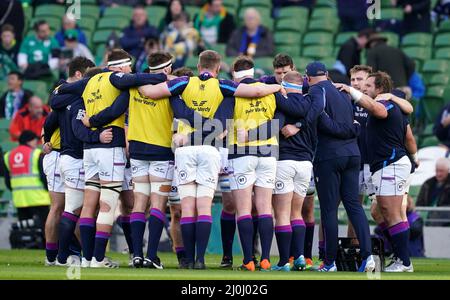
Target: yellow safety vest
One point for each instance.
(27, 187)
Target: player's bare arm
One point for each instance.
(256, 91)
(375, 108)
(404, 104)
(155, 91)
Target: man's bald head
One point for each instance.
(442, 169)
(36, 107)
(293, 77)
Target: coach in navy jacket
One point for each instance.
(336, 166)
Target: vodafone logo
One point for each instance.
(18, 158)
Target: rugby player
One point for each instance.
(197, 166)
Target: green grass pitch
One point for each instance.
(28, 264)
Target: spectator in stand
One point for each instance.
(214, 23)
(252, 39)
(151, 46)
(353, 14)
(415, 221)
(74, 47)
(31, 117)
(441, 127)
(9, 44)
(180, 39)
(15, 98)
(435, 192)
(12, 13)
(350, 52)
(6, 65)
(38, 50)
(416, 15)
(382, 57)
(134, 36)
(70, 24)
(175, 7)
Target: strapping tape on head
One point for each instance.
(244, 73)
(288, 85)
(120, 63)
(161, 66)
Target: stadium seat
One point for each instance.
(53, 22)
(417, 39)
(419, 53)
(256, 3)
(392, 38)
(442, 53)
(88, 24)
(291, 25)
(301, 63)
(294, 13)
(429, 142)
(9, 145)
(101, 36)
(317, 38)
(391, 14)
(287, 38)
(432, 107)
(192, 10)
(324, 13)
(50, 10)
(28, 12)
(317, 52)
(112, 23)
(292, 50)
(264, 63)
(435, 92)
(38, 87)
(329, 62)
(444, 26)
(3, 86)
(191, 62)
(325, 3)
(442, 40)
(91, 11)
(386, 4)
(435, 66)
(219, 48)
(231, 5)
(439, 79)
(156, 14)
(125, 12)
(343, 37)
(4, 129)
(329, 25)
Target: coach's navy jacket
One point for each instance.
(333, 141)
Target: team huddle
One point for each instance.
(147, 140)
